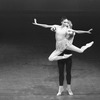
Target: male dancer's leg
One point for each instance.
(68, 75)
(61, 76)
(68, 70)
(61, 71)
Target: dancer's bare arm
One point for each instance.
(80, 31)
(43, 25)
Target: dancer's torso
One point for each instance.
(64, 34)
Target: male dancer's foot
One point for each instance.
(69, 90)
(87, 45)
(61, 89)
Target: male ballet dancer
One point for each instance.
(62, 64)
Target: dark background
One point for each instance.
(50, 5)
(16, 17)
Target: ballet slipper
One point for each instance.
(69, 91)
(61, 89)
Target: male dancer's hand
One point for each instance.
(89, 31)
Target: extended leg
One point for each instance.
(55, 56)
(80, 50)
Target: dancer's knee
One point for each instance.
(50, 58)
(81, 51)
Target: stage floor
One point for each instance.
(26, 74)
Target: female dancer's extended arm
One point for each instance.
(80, 31)
(43, 25)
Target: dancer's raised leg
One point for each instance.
(55, 56)
(80, 50)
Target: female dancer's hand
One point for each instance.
(35, 21)
(89, 31)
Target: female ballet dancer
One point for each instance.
(64, 35)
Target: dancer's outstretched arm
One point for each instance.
(43, 25)
(80, 31)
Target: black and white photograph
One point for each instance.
(49, 50)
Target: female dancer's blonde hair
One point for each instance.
(69, 22)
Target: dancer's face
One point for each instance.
(65, 23)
